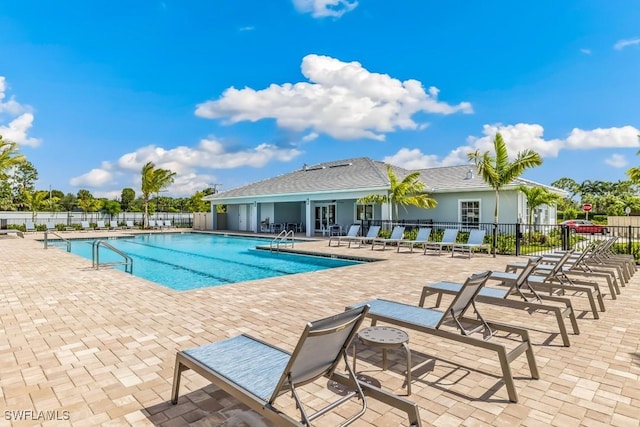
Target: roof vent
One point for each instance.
(469, 174)
(340, 165)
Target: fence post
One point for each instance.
(566, 238)
(495, 238)
(629, 241)
(518, 238)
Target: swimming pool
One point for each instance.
(184, 261)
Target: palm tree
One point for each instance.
(537, 196)
(9, 156)
(153, 181)
(409, 191)
(35, 201)
(498, 171)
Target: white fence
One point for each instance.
(9, 218)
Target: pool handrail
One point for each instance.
(284, 237)
(95, 256)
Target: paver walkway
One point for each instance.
(98, 347)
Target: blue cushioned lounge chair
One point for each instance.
(257, 373)
(372, 233)
(525, 298)
(421, 238)
(448, 239)
(351, 234)
(396, 236)
(475, 241)
(430, 321)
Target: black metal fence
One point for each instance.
(520, 239)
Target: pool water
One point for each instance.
(184, 261)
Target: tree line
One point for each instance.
(18, 193)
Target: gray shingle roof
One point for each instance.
(358, 173)
(361, 173)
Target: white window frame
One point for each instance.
(479, 202)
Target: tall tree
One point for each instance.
(409, 191)
(112, 207)
(126, 198)
(35, 201)
(87, 202)
(9, 157)
(153, 181)
(568, 185)
(68, 201)
(497, 170)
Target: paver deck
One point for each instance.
(98, 347)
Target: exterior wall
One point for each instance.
(233, 213)
(287, 212)
(448, 208)
(345, 212)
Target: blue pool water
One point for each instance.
(190, 260)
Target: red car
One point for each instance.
(584, 226)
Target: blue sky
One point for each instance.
(229, 92)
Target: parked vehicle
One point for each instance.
(585, 227)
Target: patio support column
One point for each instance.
(214, 216)
(309, 227)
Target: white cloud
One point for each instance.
(617, 161)
(343, 100)
(189, 163)
(247, 28)
(523, 136)
(586, 51)
(626, 136)
(20, 119)
(621, 44)
(325, 8)
(412, 159)
(93, 178)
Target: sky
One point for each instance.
(229, 92)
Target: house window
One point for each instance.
(470, 212)
(364, 212)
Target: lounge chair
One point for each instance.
(30, 227)
(396, 236)
(352, 233)
(167, 223)
(526, 298)
(430, 321)
(372, 233)
(552, 281)
(153, 225)
(257, 373)
(100, 225)
(421, 238)
(51, 226)
(448, 239)
(475, 241)
(575, 268)
(113, 225)
(129, 225)
(85, 226)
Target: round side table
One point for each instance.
(385, 337)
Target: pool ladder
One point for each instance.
(46, 239)
(95, 257)
(285, 237)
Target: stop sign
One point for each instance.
(586, 207)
